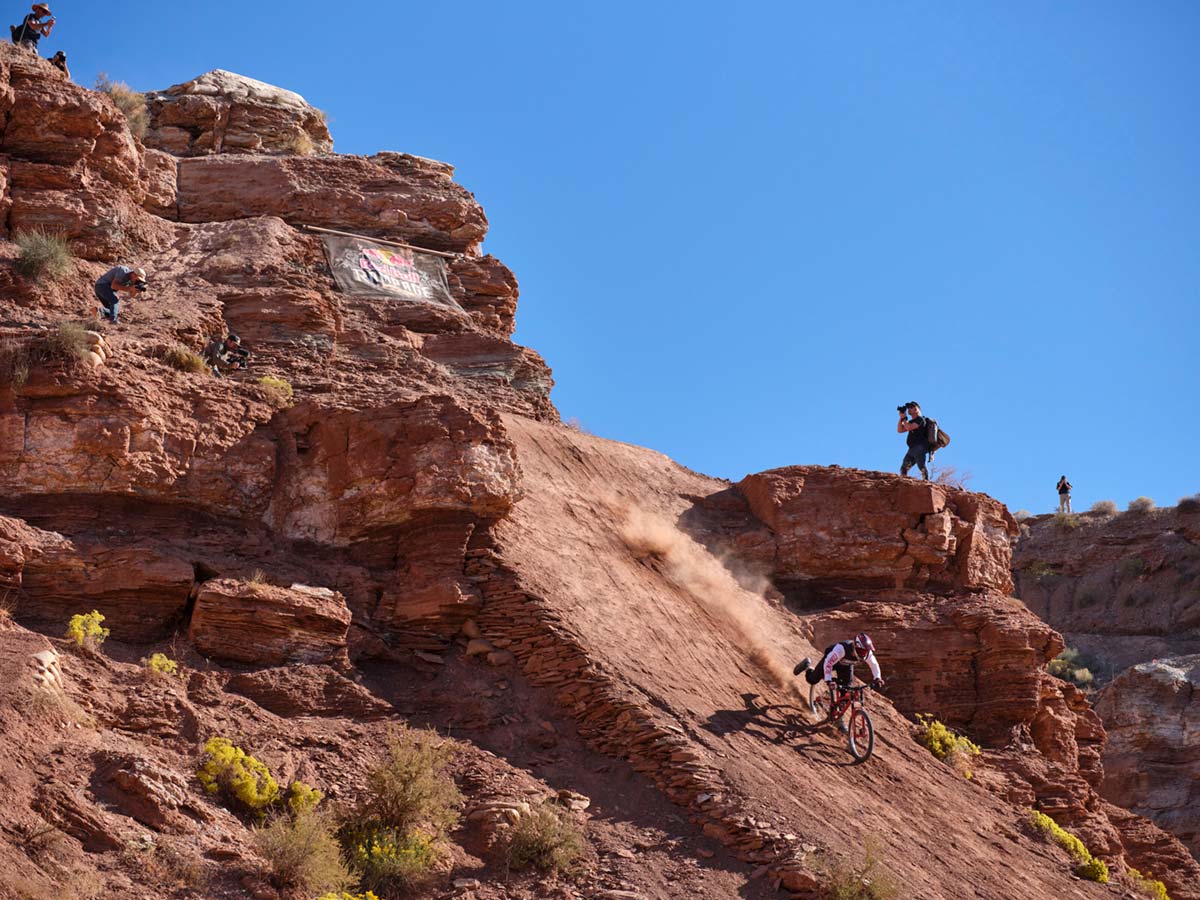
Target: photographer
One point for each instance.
(915, 424)
(118, 280)
(32, 29)
(226, 355)
(1064, 495)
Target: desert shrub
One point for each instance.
(8, 602)
(1131, 567)
(411, 787)
(278, 390)
(346, 895)
(1067, 521)
(1040, 570)
(547, 840)
(128, 101)
(161, 665)
(42, 254)
(1086, 865)
(388, 860)
(15, 361)
(1070, 666)
(301, 144)
(1022, 514)
(302, 853)
(166, 866)
(184, 360)
(240, 779)
(946, 744)
(1141, 505)
(867, 879)
(951, 477)
(67, 342)
(301, 799)
(85, 631)
(1148, 885)
(1189, 504)
(1088, 595)
(1105, 507)
(258, 576)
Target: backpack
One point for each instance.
(936, 438)
(17, 31)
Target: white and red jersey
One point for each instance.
(840, 652)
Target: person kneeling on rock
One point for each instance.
(226, 355)
(118, 280)
(839, 659)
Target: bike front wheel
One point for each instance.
(862, 735)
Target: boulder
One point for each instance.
(305, 690)
(833, 529)
(222, 112)
(265, 625)
(1152, 759)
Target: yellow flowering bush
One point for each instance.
(85, 630)
(161, 664)
(946, 744)
(1148, 885)
(366, 895)
(302, 799)
(1086, 865)
(388, 859)
(238, 777)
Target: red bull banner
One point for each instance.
(361, 266)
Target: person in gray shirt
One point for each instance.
(116, 281)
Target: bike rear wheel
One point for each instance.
(818, 700)
(862, 734)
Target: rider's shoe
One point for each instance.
(842, 727)
(802, 666)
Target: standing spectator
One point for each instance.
(118, 280)
(1064, 495)
(915, 424)
(33, 29)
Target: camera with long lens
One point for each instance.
(141, 286)
(902, 408)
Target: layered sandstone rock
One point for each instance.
(833, 528)
(222, 112)
(1123, 589)
(267, 625)
(1152, 760)
(390, 194)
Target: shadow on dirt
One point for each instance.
(782, 724)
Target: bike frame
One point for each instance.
(841, 700)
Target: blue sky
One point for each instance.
(744, 233)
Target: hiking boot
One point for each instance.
(802, 666)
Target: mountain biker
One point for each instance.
(839, 659)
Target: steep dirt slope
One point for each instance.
(654, 648)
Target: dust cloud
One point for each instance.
(736, 603)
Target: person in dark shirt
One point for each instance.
(914, 423)
(1064, 495)
(59, 61)
(33, 29)
(225, 355)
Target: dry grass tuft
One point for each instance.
(128, 101)
(184, 360)
(43, 255)
(303, 853)
(547, 840)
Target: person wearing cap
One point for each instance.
(116, 281)
(59, 61)
(225, 355)
(33, 29)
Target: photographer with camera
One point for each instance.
(226, 355)
(33, 29)
(915, 424)
(118, 280)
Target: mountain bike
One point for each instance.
(829, 706)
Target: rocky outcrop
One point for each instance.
(1152, 760)
(305, 690)
(845, 528)
(392, 195)
(267, 625)
(222, 112)
(1122, 588)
